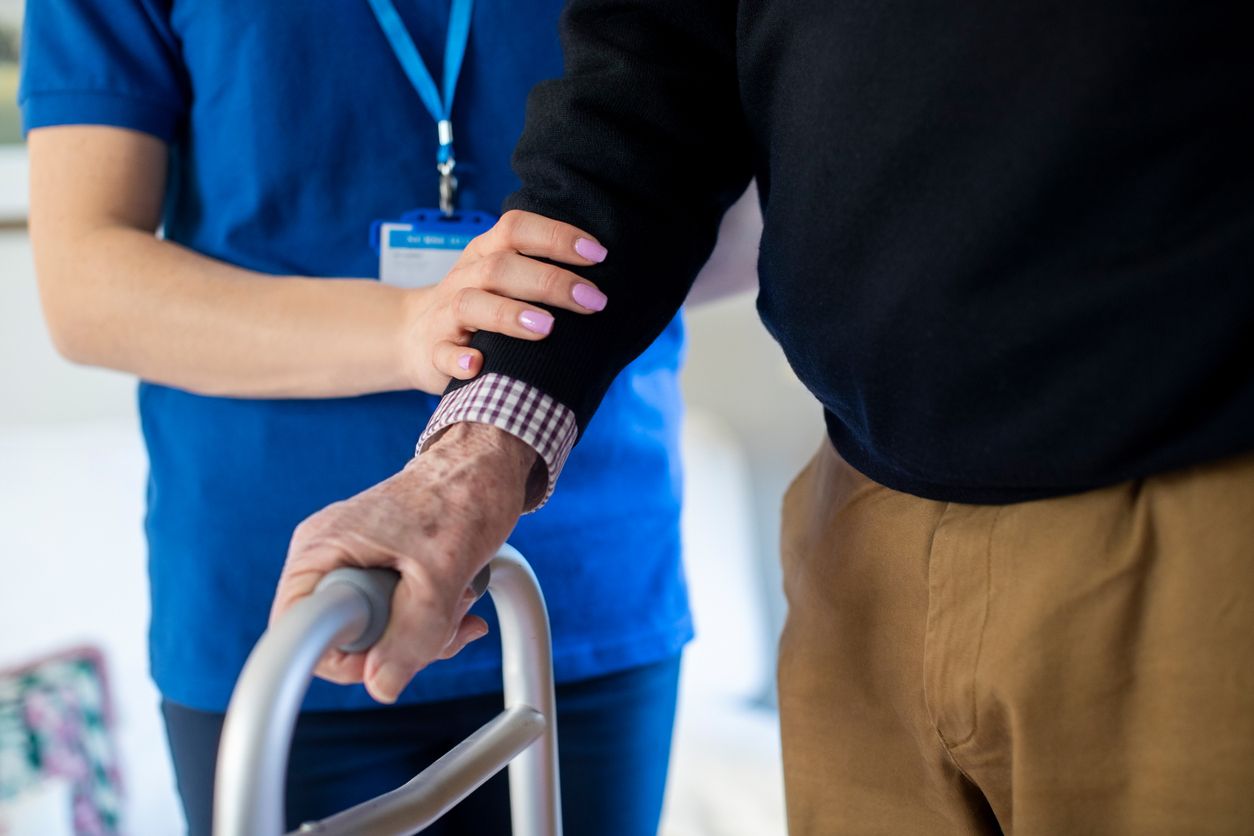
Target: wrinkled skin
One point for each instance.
(437, 522)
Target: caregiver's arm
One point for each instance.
(116, 295)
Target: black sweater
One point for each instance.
(1009, 246)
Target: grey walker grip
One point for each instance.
(376, 587)
(481, 581)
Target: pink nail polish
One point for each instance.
(589, 297)
(536, 322)
(463, 362)
(590, 250)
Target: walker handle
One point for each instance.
(350, 609)
(377, 586)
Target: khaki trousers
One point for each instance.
(1065, 666)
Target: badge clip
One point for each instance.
(448, 187)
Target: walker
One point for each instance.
(350, 609)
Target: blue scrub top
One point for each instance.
(292, 127)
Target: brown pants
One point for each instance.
(1066, 666)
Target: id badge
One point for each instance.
(420, 247)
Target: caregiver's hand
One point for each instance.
(489, 290)
(437, 523)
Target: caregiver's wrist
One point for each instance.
(408, 363)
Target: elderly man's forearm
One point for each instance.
(657, 152)
(545, 425)
(487, 460)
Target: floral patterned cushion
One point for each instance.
(55, 723)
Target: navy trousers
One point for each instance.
(614, 736)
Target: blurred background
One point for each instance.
(73, 599)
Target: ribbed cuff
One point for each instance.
(523, 411)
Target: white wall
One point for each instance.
(36, 386)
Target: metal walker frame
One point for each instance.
(350, 609)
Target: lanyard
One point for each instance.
(439, 106)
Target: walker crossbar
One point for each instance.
(349, 610)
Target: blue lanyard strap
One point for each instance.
(440, 107)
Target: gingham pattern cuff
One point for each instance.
(521, 410)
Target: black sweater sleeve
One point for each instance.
(643, 145)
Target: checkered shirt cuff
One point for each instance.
(547, 426)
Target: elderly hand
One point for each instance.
(437, 523)
(489, 290)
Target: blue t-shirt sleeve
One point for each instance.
(87, 62)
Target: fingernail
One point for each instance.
(589, 297)
(540, 323)
(463, 362)
(590, 250)
(388, 682)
